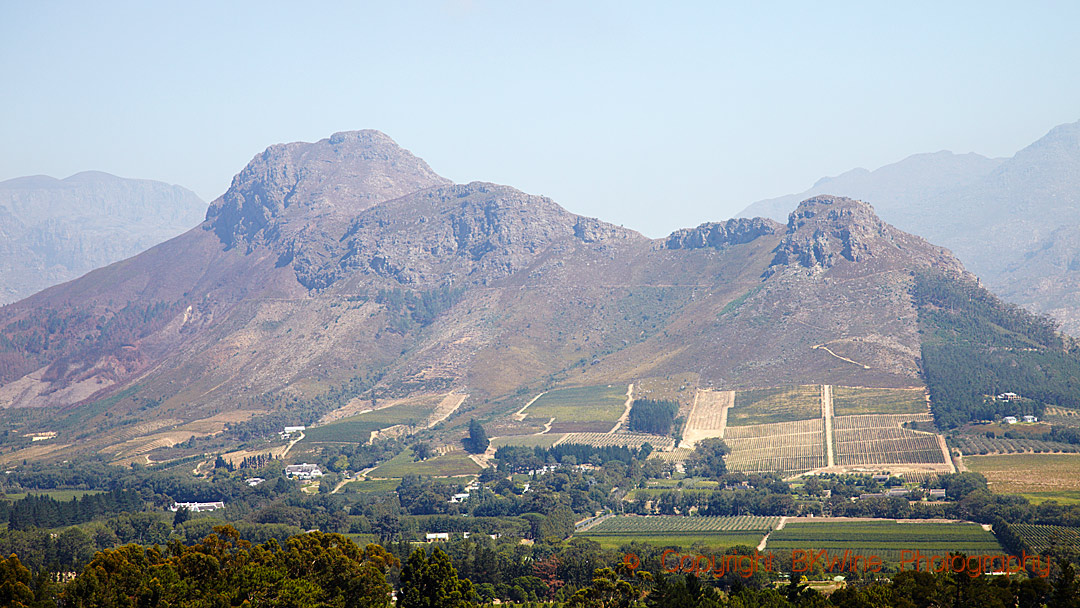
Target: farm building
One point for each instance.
(290, 430)
(254, 481)
(1008, 397)
(303, 471)
(436, 536)
(1030, 419)
(460, 497)
(1010, 420)
(197, 507)
(937, 494)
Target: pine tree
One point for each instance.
(433, 583)
(477, 441)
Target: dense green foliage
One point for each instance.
(653, 416)
(477, 442)
(37, 511)
(975, 347)
(433, 583)
(707, 460)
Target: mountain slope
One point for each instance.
(1011, 221)
(53, 230)
(346, 264)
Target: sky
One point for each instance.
(652, 115)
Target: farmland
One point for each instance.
(530, 441)
(850, 401)
(879, 439)
(453, 464)
(884, 538)
(372, 485)
(581, 409)
(782, 446)
(631, 440)
(771, 405)
(358, 428)
(981, 444)
(682, 531)
(1012, 473)
(707, 418)
(1040, 538)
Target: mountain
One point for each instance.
(54, 230)
(1013, 222)
(347, 267)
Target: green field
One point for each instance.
(1064, 497)
(1041, 538)
(529, 441)
(850, 401)
(585, 409)
(61, 495)
(884, 538)
(454, 464)
(680, 531)
(780, 404)
(372, 485)
(358, 428)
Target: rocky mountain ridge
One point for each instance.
(316, 271)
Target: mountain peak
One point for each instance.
(333, 178)
(826, 231)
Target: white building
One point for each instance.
(254, 481)
(461, 497)
(437, 536)
(1030, 419)
(1010, 420)
(303, 471)
(197, 507)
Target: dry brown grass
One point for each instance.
(1018, 473)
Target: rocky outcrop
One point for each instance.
(718, 235)
(283, 189)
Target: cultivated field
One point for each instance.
(770, 405)
(1023, 473)
(372, 485)
(628, 439)
(682, 531)
(884, 538)
(782, 446)
(981, 444)
(529, 441)
(1041, 538)
(358, 428)
(879, 439)
(453, 464)
(582, 409)
(850, 401)
(1062, 416)
(707, 418)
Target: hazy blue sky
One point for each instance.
(653, 115)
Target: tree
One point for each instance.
(433, 583)
(421, 451)
(182, 515)
(477, 442)
(707, 459)
(15, 581)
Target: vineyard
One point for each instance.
(879, 439)
(1040, 538)
(358, 428)
(884, 538)
(771, 405)
(851, 401)
(675, 525)
(782, 446)
(581, 409)
(707, 418)
(981, 444)
(529, 441)
(630, 440)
